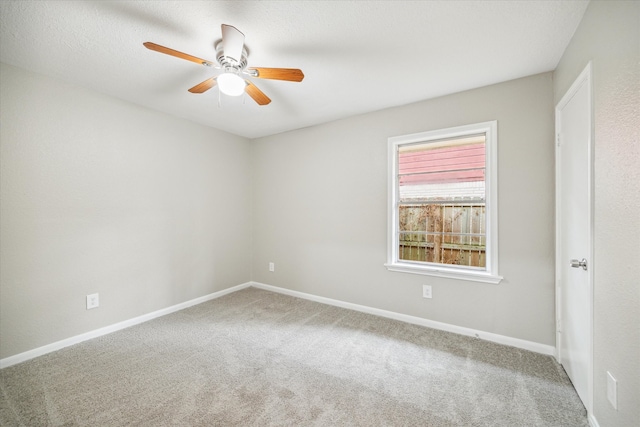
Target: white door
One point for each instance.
(574, 234)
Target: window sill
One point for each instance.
(449, 273)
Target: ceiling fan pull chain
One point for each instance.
(219, 102)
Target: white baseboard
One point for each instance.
(488, 336)
(501, 339)
(22, 357)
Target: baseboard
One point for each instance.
(500, 339)
(22, 357)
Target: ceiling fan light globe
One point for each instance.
(231, 84)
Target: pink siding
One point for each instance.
(443, 165)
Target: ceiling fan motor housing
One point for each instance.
(230, 64)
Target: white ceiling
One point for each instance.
(357, 56)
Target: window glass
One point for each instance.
(441, 210)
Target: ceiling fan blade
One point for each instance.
(177, 54)
(256, 94)
(289, 74)
(204, 86)
(232, 42)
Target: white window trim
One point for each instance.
(490, 273)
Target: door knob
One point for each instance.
(575, 263)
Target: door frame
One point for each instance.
(585, 78)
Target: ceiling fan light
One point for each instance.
(231, 84)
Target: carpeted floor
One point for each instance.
(257, 358)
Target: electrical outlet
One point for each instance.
(93, 301)
(612, 390)
(272, 266)
(426, 291)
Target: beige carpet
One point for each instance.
(257, 358)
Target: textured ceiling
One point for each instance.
(357, 56)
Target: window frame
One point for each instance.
(490, 273)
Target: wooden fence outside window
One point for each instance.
(443, 233)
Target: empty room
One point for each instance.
(320, 213)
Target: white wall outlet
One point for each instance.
(93, 301)
(272, 266)
(612, 390)
(426, 291)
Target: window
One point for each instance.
(443, 203)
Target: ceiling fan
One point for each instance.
(231, 58)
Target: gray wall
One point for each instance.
(99, 195)
(320, 211)
(609, 36)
